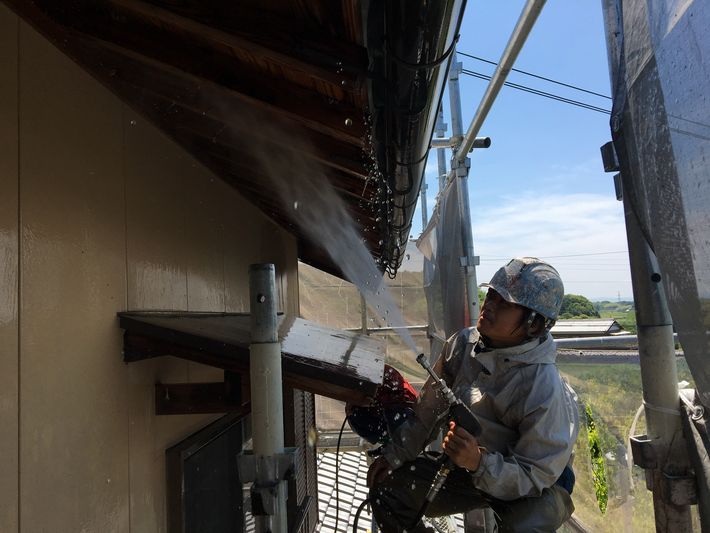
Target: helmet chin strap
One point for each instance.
(528, 325)
(531, 318)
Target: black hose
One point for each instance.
(337, 462)
(357, 514)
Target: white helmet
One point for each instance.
(532, 283)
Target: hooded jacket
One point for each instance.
(529, 415)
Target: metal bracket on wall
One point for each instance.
(676, 489)
(281, 466)
(643, 452)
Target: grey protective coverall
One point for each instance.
(530, 422)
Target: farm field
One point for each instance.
(613, 392)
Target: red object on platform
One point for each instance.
(395, 390)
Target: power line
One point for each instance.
(538, 92)
(557, 82)
(559, 256)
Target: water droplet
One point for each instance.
(348, 122)
(133, 123)
(295, 204)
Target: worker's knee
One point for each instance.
(543, 514)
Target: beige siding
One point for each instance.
(8, 273)
(114, 216)
(73, 416)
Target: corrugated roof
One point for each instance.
(585, 327)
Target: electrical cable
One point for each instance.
(538, 92)
(537, 76)
(337, 477)
(421, 66)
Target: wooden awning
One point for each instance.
(334, 363)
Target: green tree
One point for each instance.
(577, 306)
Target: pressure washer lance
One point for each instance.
(462, 416)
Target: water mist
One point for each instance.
(314, 205)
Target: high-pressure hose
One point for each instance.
(357, 514)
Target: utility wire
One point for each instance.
(538, 92)
(559, 256)
(537, 76)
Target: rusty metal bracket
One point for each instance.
(643, 452)
(281, 467)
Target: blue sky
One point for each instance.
(541, 189)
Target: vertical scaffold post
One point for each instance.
(459, 168)
(266, 392)
(659, 379)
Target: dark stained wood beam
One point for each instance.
(330, 37)
(139, 347)
(315, 358)
(185, 72)
(203, 398)
(251, 104)
(210, 123)
(337, 79)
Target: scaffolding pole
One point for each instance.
(266, 399)
(520, 34)
(659, 379)
(459, 169)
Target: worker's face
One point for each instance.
(501, 322)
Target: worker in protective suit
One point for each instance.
(504, 370)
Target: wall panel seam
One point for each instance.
(19, 281)
(125, 303)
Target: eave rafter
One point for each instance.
(117, 28)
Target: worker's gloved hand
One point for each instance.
(462, 448)
(378, 470)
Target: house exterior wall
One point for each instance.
(99, 213)
(9, 261)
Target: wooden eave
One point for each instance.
(333, 363)
(357, 82)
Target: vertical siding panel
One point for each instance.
(114, 216)
(157, 249)
(73, 415)
(203, 229)
(9, 260)
(155, 218)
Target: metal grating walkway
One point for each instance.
(352, 472)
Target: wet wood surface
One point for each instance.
(330, 362)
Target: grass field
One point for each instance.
(623, 312)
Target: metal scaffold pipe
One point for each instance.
(522, 29)
(266, 391)
(441, 150)
(459, 168)
(659, 379)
